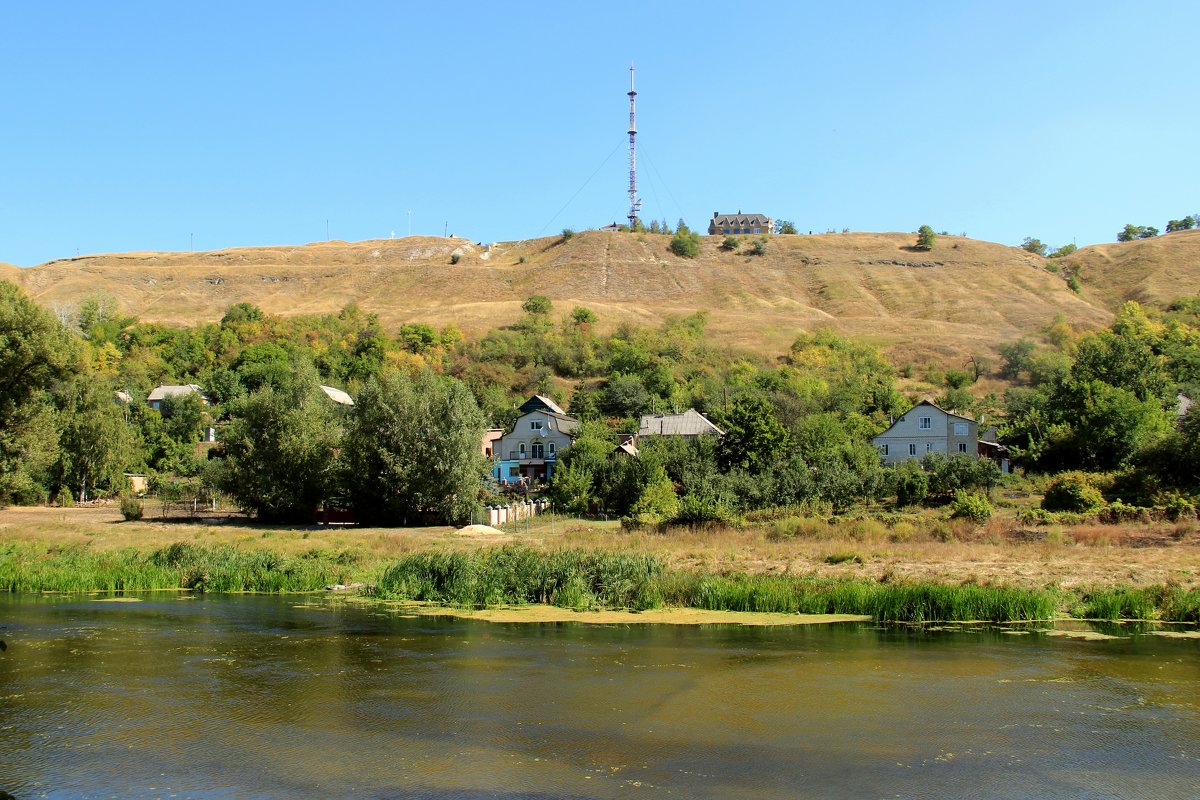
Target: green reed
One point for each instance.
(28, 568)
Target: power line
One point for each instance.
(580, 189)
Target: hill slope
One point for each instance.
(1148, 270)
(963, 296)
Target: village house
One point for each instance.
(691, 424)
(162, 392)
(926, 429)
(530, 451)
(727, 224)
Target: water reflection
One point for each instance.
(268, 697)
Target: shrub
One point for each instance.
(729, 245)
(1119, 512)
(685, 244)
(968, 505)
(1176, 506)
(698, 509)
(912, 484)
(454, 257)
(842, 558)
(131, 508)
(758, 248)
(567, 234)
(1073, 492)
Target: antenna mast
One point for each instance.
(634, 203)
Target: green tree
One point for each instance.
(1065, 250)
(1185, 224)
(685, 243)
(729, 244)
(785, 226)
(36, 354)
(1034, 246)
(96, 444)
(279, 449)
(1015, 358)
(926, 238)
(753, 437)
(583, 316)
(537, 305)
(412, 450)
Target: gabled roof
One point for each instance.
(163, 392)
(337, 396)
(689, 423)
(931, 404)
(740, 219)
(539, 402)
(628, 448)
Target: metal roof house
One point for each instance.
(726, 224)
(690, 424)
(160, 393)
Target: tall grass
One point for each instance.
(28, 568)
(578, 579)
(888, 602)
(516, 575)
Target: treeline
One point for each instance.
(797, 428)
(1114, 401)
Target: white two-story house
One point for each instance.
(538, 437)
(926, 429)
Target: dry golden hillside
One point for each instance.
(963, 296)
(1148, 270)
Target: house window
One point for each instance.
(912, 448)
(883, 449)
(550, 449)
(539, 450)
(521, 449)
(514, 472)
(960, 429)
(925, 423)
(962, 447)
(929, 447)
(536, 425)
(758, 230)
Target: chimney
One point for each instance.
(716, 214)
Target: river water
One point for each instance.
(268, 697)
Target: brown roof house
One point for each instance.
(727, 224)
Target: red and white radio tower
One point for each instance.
(634, 203)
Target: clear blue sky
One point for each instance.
(135, 126)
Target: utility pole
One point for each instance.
(327, 229)
(410, 222)
(634, 204)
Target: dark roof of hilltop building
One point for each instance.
(739, 219)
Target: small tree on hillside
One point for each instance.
(1065, 250)
(537, 304)
(1185, 224)
(685, 243)
(925, 238)
(785, 226)
(1034, 246)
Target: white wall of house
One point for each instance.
(927, 429)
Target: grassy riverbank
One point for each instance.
(569, 578)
